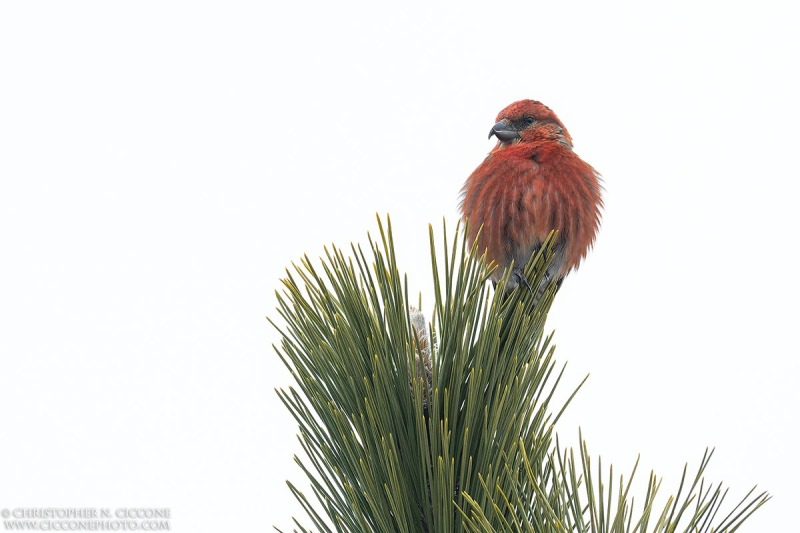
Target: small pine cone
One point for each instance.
(423, 355)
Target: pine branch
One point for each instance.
(412, 426)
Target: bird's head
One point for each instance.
(526, 121)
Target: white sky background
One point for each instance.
(162, 164)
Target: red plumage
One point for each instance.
(531, 183)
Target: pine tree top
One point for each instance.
(412, 425)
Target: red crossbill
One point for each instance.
(531, 183)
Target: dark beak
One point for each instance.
(504, 131)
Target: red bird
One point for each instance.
(529, 184)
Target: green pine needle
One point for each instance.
(415, 426)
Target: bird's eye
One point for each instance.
(528, 120)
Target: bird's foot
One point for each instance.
(518, 275)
